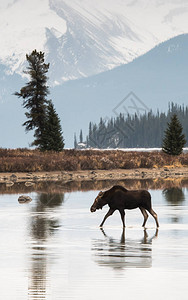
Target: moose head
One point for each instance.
(99, 202)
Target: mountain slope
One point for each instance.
(90, 44)
(82, 38)
(12, 134)
(149, 82)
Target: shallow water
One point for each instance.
(52, 248)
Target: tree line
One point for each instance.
(133, 131)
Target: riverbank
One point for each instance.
(31, 166)
(91, 175)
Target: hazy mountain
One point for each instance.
(149, 82)
(85, 37)
(12, 134)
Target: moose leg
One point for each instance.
(109, 213)
(122, 213)
(144, 212)
(151, 211)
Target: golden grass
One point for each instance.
(25, 160)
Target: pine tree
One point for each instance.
(147, 130)
(174, 139)
(34, 94)
(81, 136)
(52, 138)
(75, 141)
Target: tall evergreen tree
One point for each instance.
(34, 95)
(52, 138)
(81, 136)
(174, 139)
(75, 141)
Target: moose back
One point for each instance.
(119, 198)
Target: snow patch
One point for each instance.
(23, 29)
(86, 37)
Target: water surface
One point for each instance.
(52, 248)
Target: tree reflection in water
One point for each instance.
(124, 253)
(174, 196)
(42, 226)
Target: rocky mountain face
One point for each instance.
(83, 38)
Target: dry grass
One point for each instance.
(24, 160)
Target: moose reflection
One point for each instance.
(124, 252)
(119, 198)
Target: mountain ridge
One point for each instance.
(83, 38)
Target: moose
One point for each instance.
(119, 198)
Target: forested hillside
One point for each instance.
(129, 131)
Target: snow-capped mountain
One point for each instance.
(85, 37)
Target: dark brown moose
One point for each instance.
(119, 198)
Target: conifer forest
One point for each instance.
(130, 131)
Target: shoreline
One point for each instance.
(92, 175)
